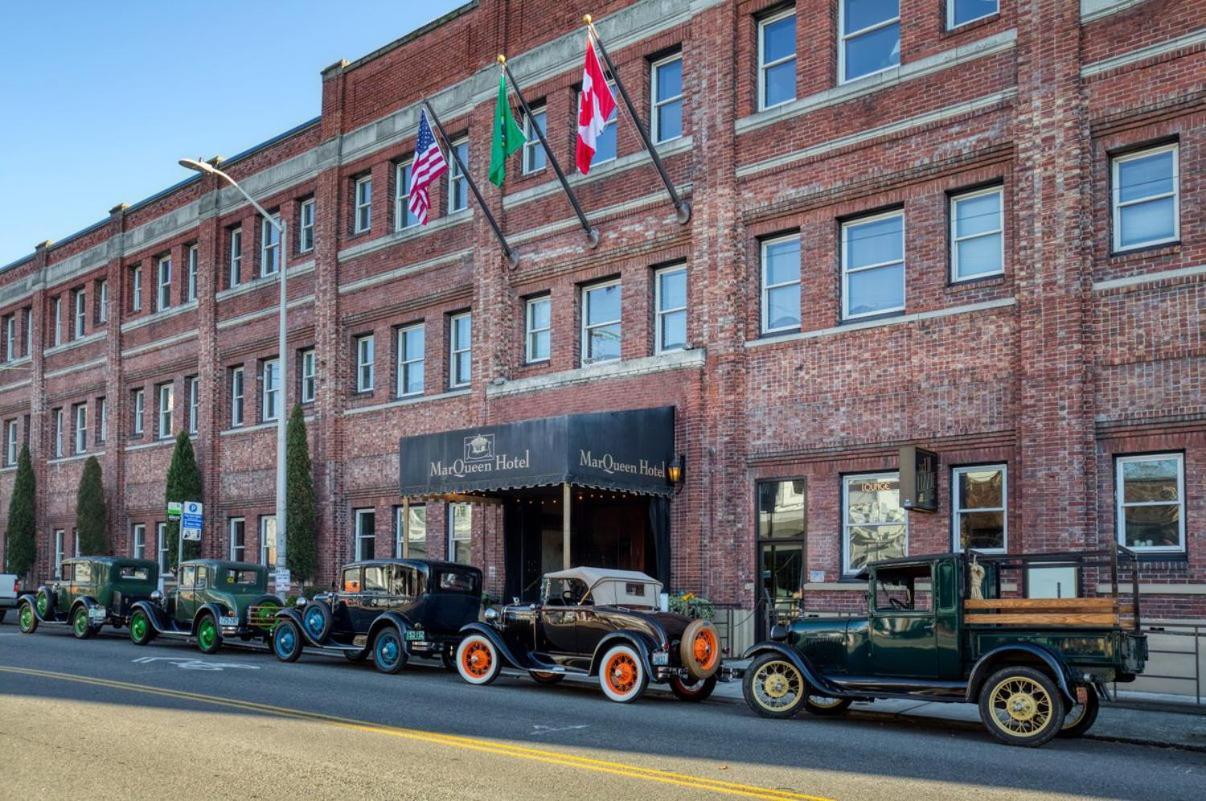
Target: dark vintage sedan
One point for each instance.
(391, 609)
(595, 622)
(92, 591)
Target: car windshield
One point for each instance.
(451, 581)
(564, 591)
(241, 578)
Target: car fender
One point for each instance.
(384, 619)
(636, 639)
(154, 614)
(801, 663)
(86, 601)
(491, 634)
(207, 608)
(294, 615)
(999, 656)
(30, 598)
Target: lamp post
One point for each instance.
(280, 576)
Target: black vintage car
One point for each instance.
(391, 609)
(595, 622)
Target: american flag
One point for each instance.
(428, 165)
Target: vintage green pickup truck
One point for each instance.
(91, 592)
(961, 628)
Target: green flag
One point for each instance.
(508, 136)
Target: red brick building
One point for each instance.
(972, 226)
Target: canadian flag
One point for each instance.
(595, 104)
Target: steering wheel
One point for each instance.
(897, 603)
(567, 598)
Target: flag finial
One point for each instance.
(502, 59)
(586, 19)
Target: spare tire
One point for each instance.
(44, 603)
(700, 649)
(317, 621)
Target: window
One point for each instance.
(59, 536)
(781, 284)
(873, 264)
(961, 12)
(237, 527)
(81, 427)
(1146, 198)
(781, 527)
(136, 289)
(79, 300)
(366, 533)
(10, 443)
(1150, 495)
(138, 541)
(403, 216)
(874, 525)
(309, 375)
(411, 344)
(670, 304)
(666, 79)
(534, 155)
(458, 197)
(192, 387)
(605, 144)
(305, 226)
(978, 515)
(415, 531)
(777, 59)
(270, 376)
(166, 395)
(57, 416)
(460, 350)
(102, 420)
(537, 326)
(234, 260)
(868, 37)
(364, 363)
(363, 219)
(161, 549)
(460, 524)
(236, 397)
(163, 293)
(270, 246)
(192, 255)
(102, 301)
(57, 321)
(601, 322)
(268, 540)
(977, 238)
(10, 338)
(26, 330)
(138, 409)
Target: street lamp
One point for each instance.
(282, 361)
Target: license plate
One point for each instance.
(228, 621)
(96, 614)
(415, 636)
(661, 658)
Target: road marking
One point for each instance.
(189, 663)
(451, 740)
(538, 729)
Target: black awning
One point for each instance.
(627, 451)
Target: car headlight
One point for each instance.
(491, 614)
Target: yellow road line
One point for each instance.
(451, 740)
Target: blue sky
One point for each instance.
(99, 99)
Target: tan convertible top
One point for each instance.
(610, 587)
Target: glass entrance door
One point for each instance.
(782, 517)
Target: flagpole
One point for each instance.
(510, 254)
(681, 206)
(591, 234)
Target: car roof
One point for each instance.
(221, 563)
(593, 575)
(111, 560)
(427, 563)
(905, 561)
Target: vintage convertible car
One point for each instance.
(212, 600)
(391, 608)
(595, 622)
(93, 591)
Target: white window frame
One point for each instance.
(458, 349)
(950, 15)
(309, 375)
(58, 321)
(81, 428)
(358, 516)
(531, 331)
(656, 102)
(270, 377)
(531, 142)
(138, 540)
(659, 312)
(162, 555)
(402, 216)
(163, 283)
(1120, 504)
(846, 272)
(140, 410)
(80, 300)
(102, 414)
(766, 287)
(10, 334)
(102, 300)
(60, 537)
(238, 553)
(10, 443)
(586, 328)
(234, 261)
(305, 226)
(451, 539)
(362, 199)
(455, 176)
(270, 250)
(165, 404)
(957, 510)
(267, 544)
(955, 239)
(844, 544)
(844, 37)
(192, 387)
(58, 432)
(406, 365)
(136, 289)
(399, 528)
(1116, 206)
(192, 261)
(763, 66)
(366, 373)
(238, 389)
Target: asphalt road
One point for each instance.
(104, 718)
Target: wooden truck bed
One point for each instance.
(1092, 612)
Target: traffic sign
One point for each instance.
(281, 580)
(173, 510)
(192, 520)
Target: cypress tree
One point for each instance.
(21, 536)
(91, 512)
(183, 484)
(300, 529)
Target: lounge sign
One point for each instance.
(918, 479)
(627, 451)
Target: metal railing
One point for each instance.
(1195, 633)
